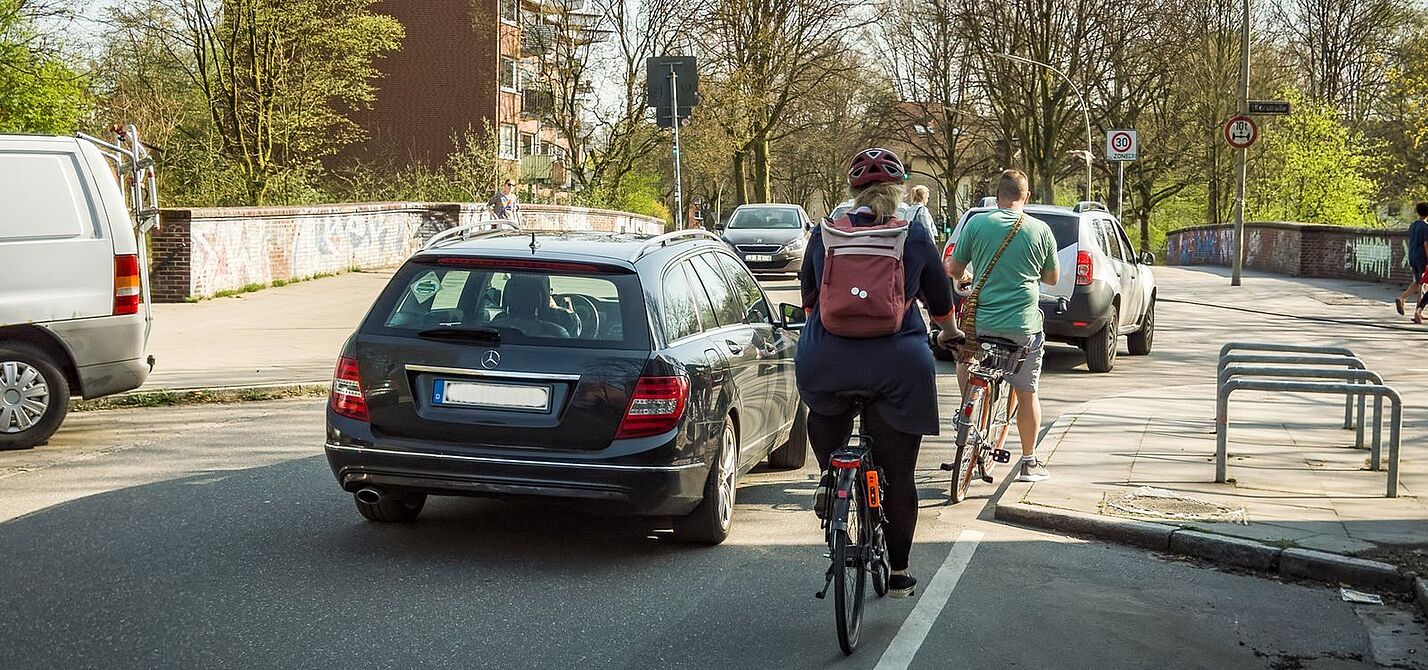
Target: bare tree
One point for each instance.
(1339, 48)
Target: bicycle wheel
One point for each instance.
(1001, 421)
(969, 443)
(879, 568)
(849, 576)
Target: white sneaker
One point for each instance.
(1033, 471)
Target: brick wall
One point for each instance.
(199, 252)
(1299, 250)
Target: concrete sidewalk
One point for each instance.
(277, 336)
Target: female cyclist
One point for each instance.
(896, 371)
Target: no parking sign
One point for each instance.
(1122, 145)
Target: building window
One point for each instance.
(508, 142)
(530, 145)
(509, 74)
(510, 10)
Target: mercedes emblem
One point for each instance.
(491, 360)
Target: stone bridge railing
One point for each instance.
(199, 252)
(1298, 249)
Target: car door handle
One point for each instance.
(734, 347)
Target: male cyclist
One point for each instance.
(1007, 306)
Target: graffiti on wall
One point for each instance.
(225, 256)
(1203, 246)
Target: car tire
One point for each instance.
(791, 455)
(1140, 342)
(392, 508)
(1101, 347)
(710, 522)
(34, 396)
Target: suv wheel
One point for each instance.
(1142, 340)
(793, 453)
(392, 508)
(34, 397)
(710, 522)
(1101, 347)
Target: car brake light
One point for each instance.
(346, 397)
(656, 406)
(1084, 268)
(947, 253)
(128, 287)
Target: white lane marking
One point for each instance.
(910, 637)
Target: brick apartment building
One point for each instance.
(462, 65)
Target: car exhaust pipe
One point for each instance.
(369, 495)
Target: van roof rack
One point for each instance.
(470, 231)
(1089, 206)
(660, 241)
(136, 173)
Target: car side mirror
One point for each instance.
(1147, 258)
(793, 316)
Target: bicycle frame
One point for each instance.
(980, 428)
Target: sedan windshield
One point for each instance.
(766, 217)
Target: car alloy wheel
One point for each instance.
(24, 396)
(728, 471)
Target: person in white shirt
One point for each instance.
(917, 211)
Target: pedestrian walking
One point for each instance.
(1417, 261)
(917, 211)
(505, 205)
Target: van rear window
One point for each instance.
(523, 304)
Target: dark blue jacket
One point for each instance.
(898, 368)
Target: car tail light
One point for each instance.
(346, 398)
(656, 406)
(128, 286)
(1085, 270)
(947, 253)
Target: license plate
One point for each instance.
(500, 396)
(759, 258)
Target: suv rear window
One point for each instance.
(1064, 227)
(555, 304)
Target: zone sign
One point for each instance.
(1122, 145)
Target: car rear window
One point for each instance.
(1064, 227)
(551, 304)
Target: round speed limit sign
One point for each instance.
(1241, 132)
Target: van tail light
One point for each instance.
(1085, 270)
(656, 406)
(128, 286)
(346, 397)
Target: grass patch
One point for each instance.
(166, 398)
(258, 286)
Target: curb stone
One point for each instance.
(1420, 594)
(1290, 563)
(189, 396)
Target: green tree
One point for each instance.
(1312, 169)
(38, 92)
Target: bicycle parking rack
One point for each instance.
(1337, 363)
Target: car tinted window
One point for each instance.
(753, 305)
(727, 309)
(1110, 239)
(681, 311)
(701, 299)
(557, 307)
(766, 217)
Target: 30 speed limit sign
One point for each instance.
(1122, 145)
(1241, 132)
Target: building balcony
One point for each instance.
(545, 169)
(537, 103)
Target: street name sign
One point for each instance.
(1269, 107)
(1241, 132)
(1122, 145)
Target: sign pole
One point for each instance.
(1120, 189)
(679, 214)
(1238, 259)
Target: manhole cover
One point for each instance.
(1340, 299)
(1153, 503)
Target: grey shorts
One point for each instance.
(1028, 377)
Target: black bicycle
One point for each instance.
(857, 547)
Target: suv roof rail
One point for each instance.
(461, 233)
(665, 239)
(1089, 206)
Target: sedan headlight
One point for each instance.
(796, 244)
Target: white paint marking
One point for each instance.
(910, 637)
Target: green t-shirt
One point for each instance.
(1007, 304)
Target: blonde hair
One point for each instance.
(882, 197)
(919, 195)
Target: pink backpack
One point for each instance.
(862, 293)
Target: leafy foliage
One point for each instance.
(1312, 169)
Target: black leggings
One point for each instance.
(896, 453)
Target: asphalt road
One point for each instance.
(215, 537)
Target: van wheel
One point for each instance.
(392, 508)
(1101, 347)
(793, 453)
(1142, 340)
(34, 396)
(710, 522)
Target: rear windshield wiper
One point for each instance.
(474, 334)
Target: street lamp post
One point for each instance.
(1085, 109)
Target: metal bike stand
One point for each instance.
(1297, 349)
(1347, 374)
(1312, 360)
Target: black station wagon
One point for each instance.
(639, 375)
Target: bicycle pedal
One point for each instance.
(948, 467)
(988, 478)
(1001, 456)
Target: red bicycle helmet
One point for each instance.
(871, 166)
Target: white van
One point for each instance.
(74, 297)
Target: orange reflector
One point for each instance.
(874, 496)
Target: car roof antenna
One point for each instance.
(534, 244)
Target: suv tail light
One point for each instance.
(346, 397)
(656, 406)
(128, 286)
(947, 253)
(1085, 270)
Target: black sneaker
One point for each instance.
(821, 495)
(901, 586)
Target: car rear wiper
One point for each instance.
(475, 334)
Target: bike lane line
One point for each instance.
(902, 649)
